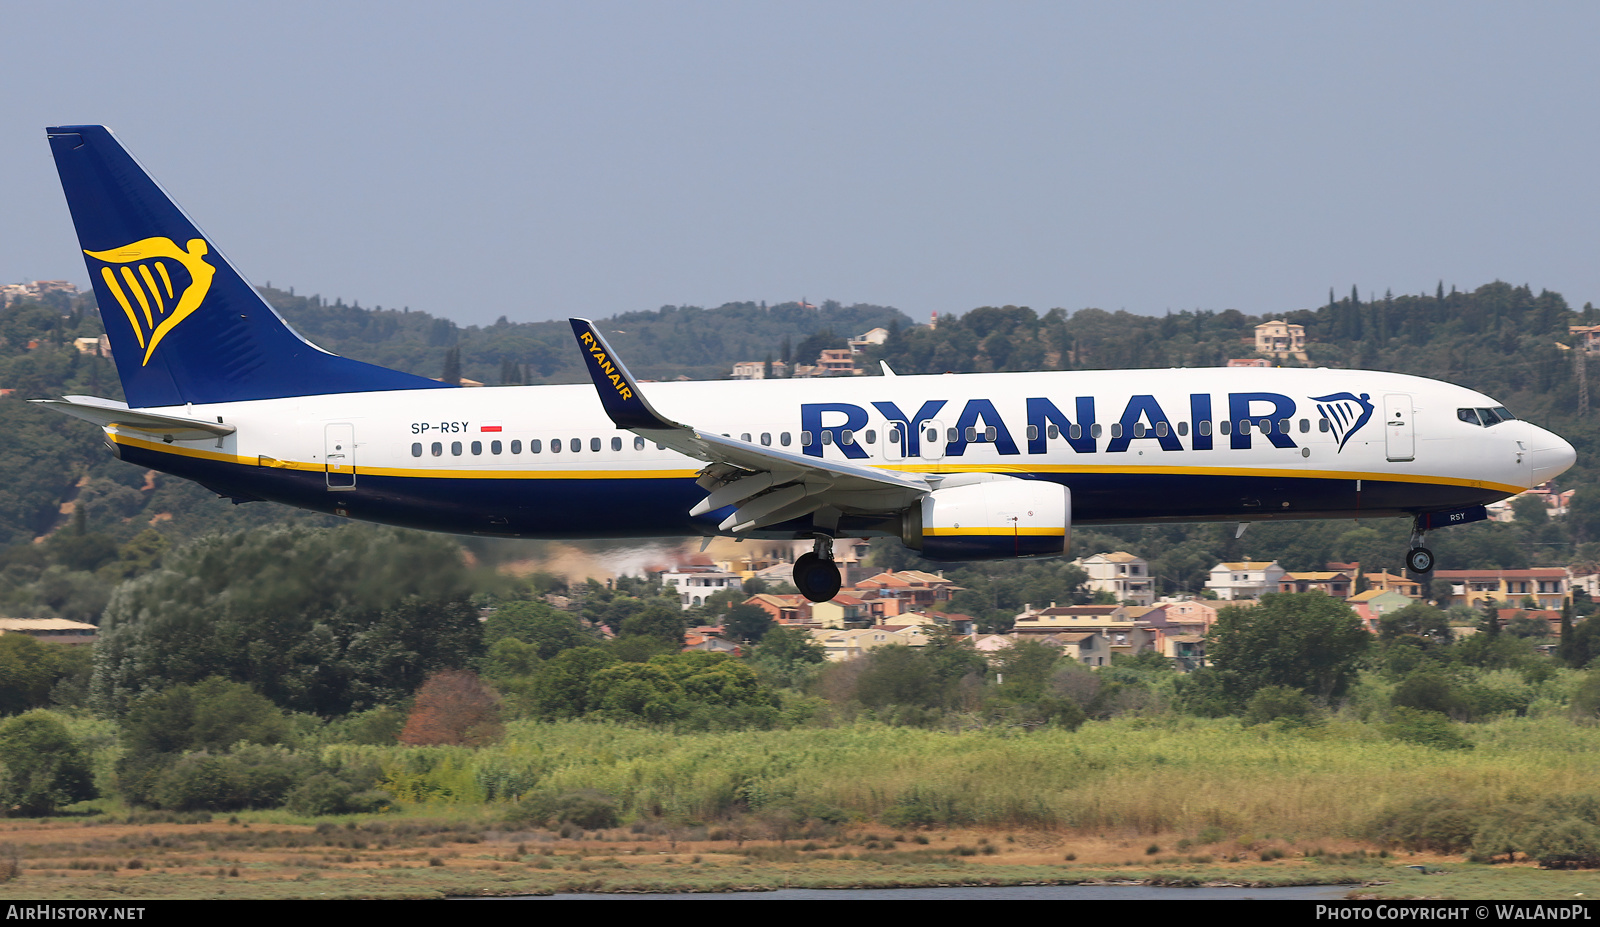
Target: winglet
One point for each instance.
(619, 391)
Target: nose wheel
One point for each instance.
(1419, 559)
(815, 574)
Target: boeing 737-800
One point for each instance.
(222, 391)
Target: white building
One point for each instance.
(1122, 574)
(1281, 340)
(695, 584)
(1246, 579)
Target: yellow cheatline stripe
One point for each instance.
(1008, 531)
(138, 293)
(468, 474)
(122, 299)
(205, 454)
(1375, 477)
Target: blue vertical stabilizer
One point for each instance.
(184, 325)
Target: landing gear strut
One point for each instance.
(1419, 559)
(815, 574)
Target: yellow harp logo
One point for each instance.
(144, 272)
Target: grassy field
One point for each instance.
(255, 857)
(1127, 777)
(583, 807)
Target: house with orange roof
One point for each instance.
(1388, 582)
(784, 609)
(913, 589)
(841, 611)
(1546, 587)
(1335, 584)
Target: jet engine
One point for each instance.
(999, 518)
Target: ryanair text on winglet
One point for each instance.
(606, 366)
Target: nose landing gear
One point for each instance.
(1419, 559)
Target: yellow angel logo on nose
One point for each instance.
(154, 296)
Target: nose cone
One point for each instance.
(1550, 455)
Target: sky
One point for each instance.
(539, 160)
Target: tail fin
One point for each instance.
(184, 325)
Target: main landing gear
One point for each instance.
(815, 574)
(1419, 559)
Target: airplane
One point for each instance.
(221, 390)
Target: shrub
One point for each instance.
(328, 793)
(1425, 728)
(1436, 823)
(1280, 703)
(250, 777)
(41, 766)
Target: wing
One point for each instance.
(767, 486)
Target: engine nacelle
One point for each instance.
(998, 519)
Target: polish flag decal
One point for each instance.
(492, 426)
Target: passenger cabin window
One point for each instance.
(616, 444)
(594, 444)
(416, 450)
(516, 447)
(638, 443)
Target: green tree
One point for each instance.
(27, 672)
(747, 623)
(213, 714)
(1025, 668)
(548, 630)
(788, 656)
(1305, 641)
(561, 687)
(41, 766)
(318, 620)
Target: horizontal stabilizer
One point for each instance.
(107, 412)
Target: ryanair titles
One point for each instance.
(606, 369)
(1240, 420)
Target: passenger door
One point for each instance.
(1399, 435)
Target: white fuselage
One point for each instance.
(1133, 445)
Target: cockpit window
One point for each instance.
(1485, 417)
